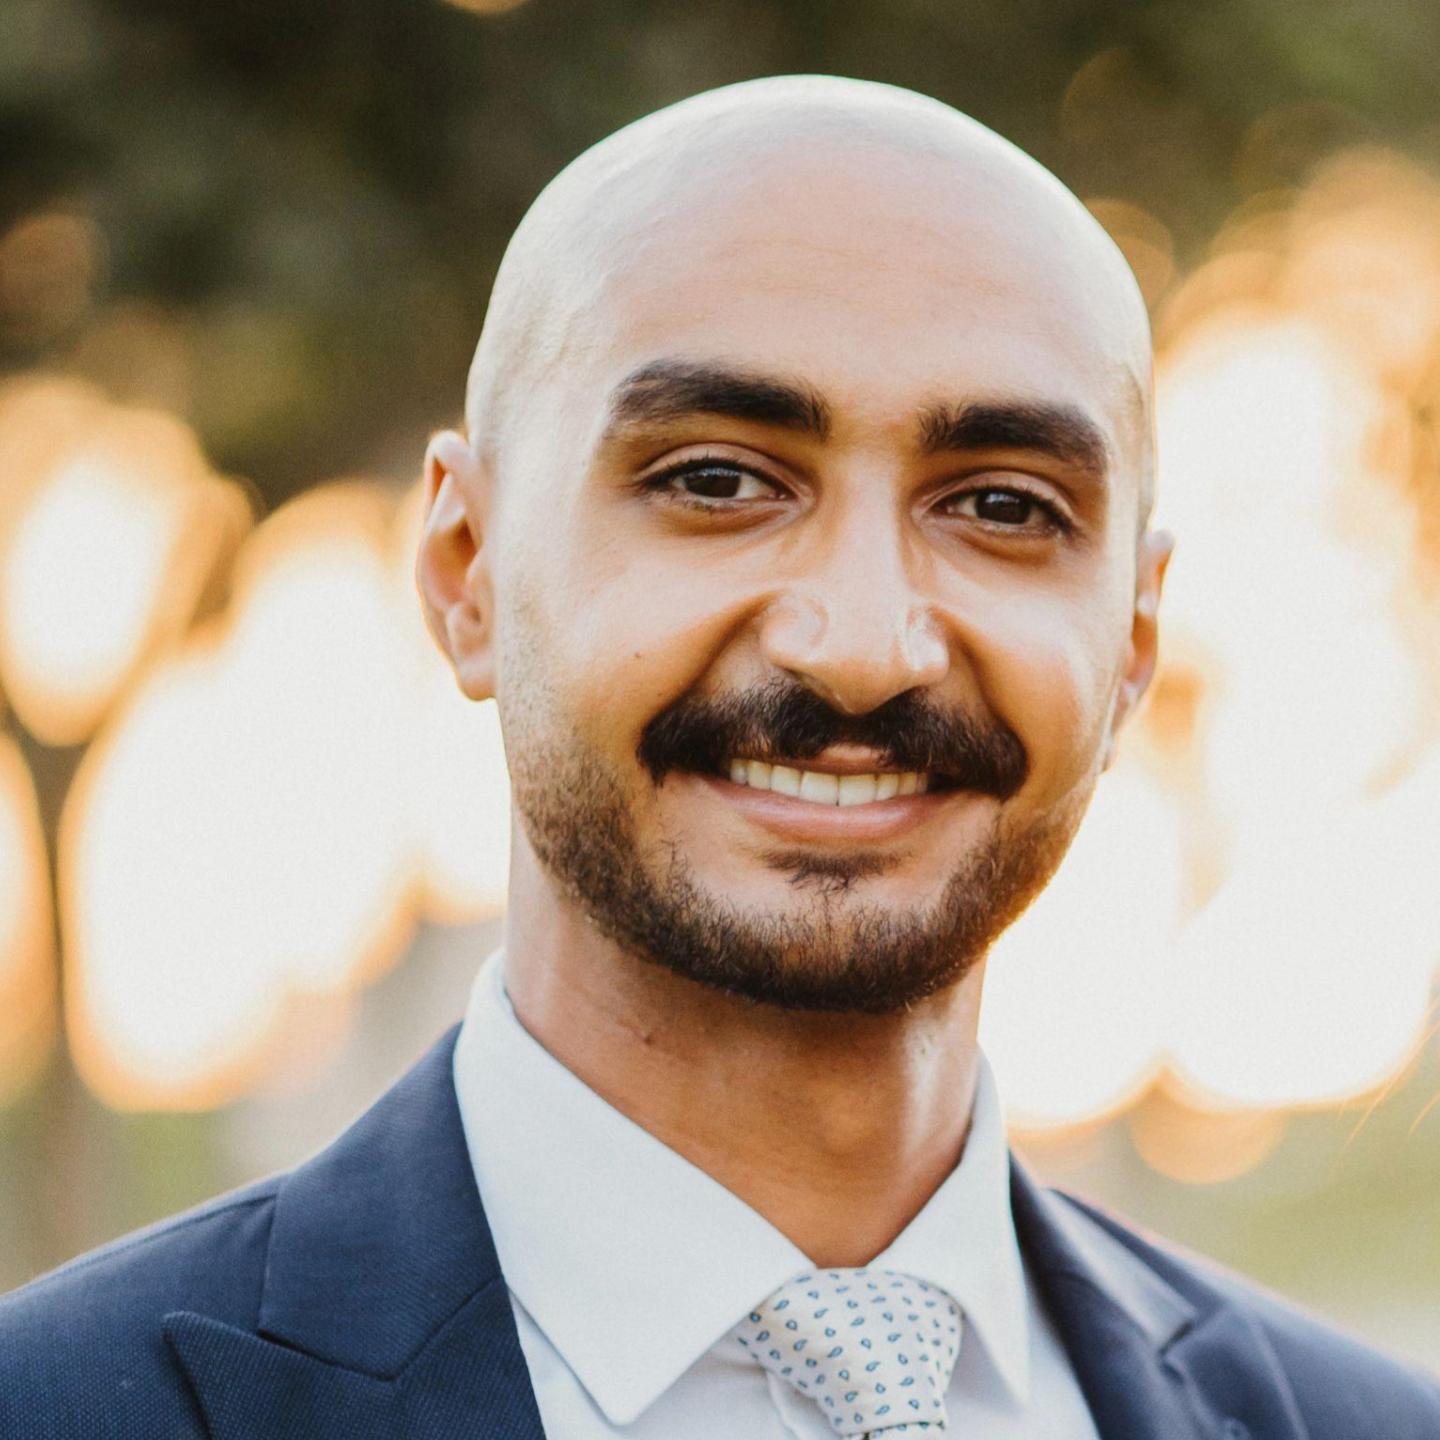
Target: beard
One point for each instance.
(840, 954)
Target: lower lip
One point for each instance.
(796, 819)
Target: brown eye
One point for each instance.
(716, 482)
(1006, 508)
(1003, 507)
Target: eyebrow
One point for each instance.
(673, 389)
(1061, 431)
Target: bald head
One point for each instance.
(803, 393)
(808, 158)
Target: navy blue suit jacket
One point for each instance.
(359, 1298)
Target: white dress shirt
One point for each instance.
(628, 1266)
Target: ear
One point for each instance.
(1151, 561)
(451, 567)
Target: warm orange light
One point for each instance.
(1309, 978)
(69, 641)
(27, 961)
(1196, 1145)
(1145, 242)
(1283, 572)
(487, 7)
(1076, 992)
(459, 785)
(170, 986)
(238, 839)
(102, 559)
(40, 416)
(50, 264)
(1363, 260)
(1305, 978)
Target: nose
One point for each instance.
(853, 624)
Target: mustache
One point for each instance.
(782, 722)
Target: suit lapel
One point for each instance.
(1156, 1361)
(247, 1386)
(383, 1313)
(469, 1382)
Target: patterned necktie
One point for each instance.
(873, 1348)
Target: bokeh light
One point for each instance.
(1292, 724)
(1306, 980)
(27, 975)
(1145, 242)
(1077, 991)
(459, 790)
(50, 266)
(265, 821)
(113, 529)
(486, 7)
(1187, 1140)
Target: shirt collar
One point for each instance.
(650, 1235)
(964, 1241)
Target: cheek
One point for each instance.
(612, 635)
(1051, 668)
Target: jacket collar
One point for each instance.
(384, 1230)
(384, 1315)
(383, 1312)
(1159, 1353)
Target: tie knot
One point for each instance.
(872, 1348)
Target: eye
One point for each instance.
(717, 481)
(1006, 508)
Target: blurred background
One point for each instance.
(253, 842)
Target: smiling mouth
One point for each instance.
(827, 787)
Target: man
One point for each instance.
(800, 530)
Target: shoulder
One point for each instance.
(1342, 1386)
(81, 1349)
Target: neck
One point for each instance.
(836, 1128)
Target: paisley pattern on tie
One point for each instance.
(872, 1348)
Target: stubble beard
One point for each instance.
(841, 954)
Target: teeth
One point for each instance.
(821, 788)
(824, 789)
(784, 780)
(857, 789)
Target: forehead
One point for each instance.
(886, 281)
